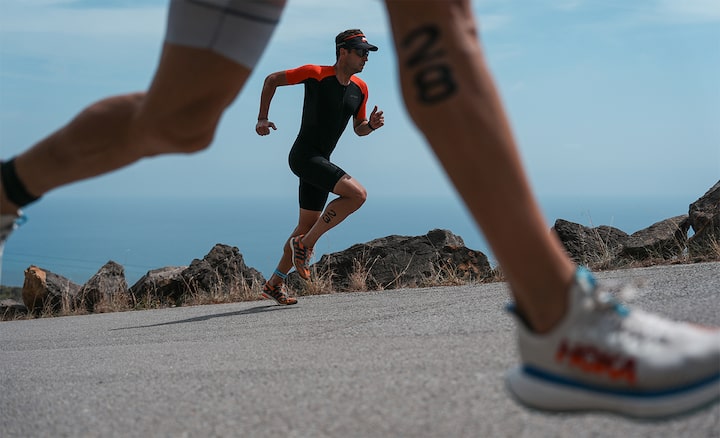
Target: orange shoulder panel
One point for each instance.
(310, 71)
(362, 111)
(360, 83)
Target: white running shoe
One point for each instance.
(605, 356)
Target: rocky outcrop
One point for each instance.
(222, 271)
(45, 290)
(108, 285)
(606, 247)
(159, 286)
(598, 246)
(402, 261)
(662, 240)
(48, 292)
(667, 240)
(704, 219)
(11, 309)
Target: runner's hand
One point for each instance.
(376, 118)
(263, 127)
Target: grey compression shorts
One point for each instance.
(236, 29)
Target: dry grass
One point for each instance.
(496, 275)
(398, 275)
(117, 302)
(715, 248)
(710, 251)
(358, 278)
(68, 306)
(237, 290)
(150, 300)
(320, 283)
(444, 273)
(604, 259)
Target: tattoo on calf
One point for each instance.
(433, 77)
(328, 215)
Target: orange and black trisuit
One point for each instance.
(327, 108)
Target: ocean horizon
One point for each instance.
(75, 237)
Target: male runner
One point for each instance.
(579, 349)
(333, 94)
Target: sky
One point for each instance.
(606, 97)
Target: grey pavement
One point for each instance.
(401, 363)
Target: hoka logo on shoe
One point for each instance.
(592, 360)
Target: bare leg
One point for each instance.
(451, 97)
(351, 196)
(120, 130)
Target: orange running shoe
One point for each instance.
(278, 294)
(301, 257)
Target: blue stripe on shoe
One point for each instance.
(639, 393)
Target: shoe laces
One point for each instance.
(277, 291)
(308, 256)
(273, 289)
(641, 328)
(606, 295)
(609, 297)
(304, 252)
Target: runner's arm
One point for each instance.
(272, 81)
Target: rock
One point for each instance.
(46, 290)
(163, 285)
(704, 218)
(662, 240)
(221, 272)
(11, 309)
(108, 285)
(402, 261)
(596, 247)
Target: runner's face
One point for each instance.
(357, 58)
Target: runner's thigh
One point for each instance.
(209, 52)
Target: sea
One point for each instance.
(75, 237)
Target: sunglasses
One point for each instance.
(361, 52)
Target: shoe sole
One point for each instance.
(300, 271)
(270, 297)
(543, 394)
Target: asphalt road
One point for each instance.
(404, 363)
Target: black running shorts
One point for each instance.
(318, 177)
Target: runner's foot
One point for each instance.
(605, 356)
(301, 257)
(278, 294)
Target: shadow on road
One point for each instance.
(250, 311)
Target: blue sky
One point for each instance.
(606, 97)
